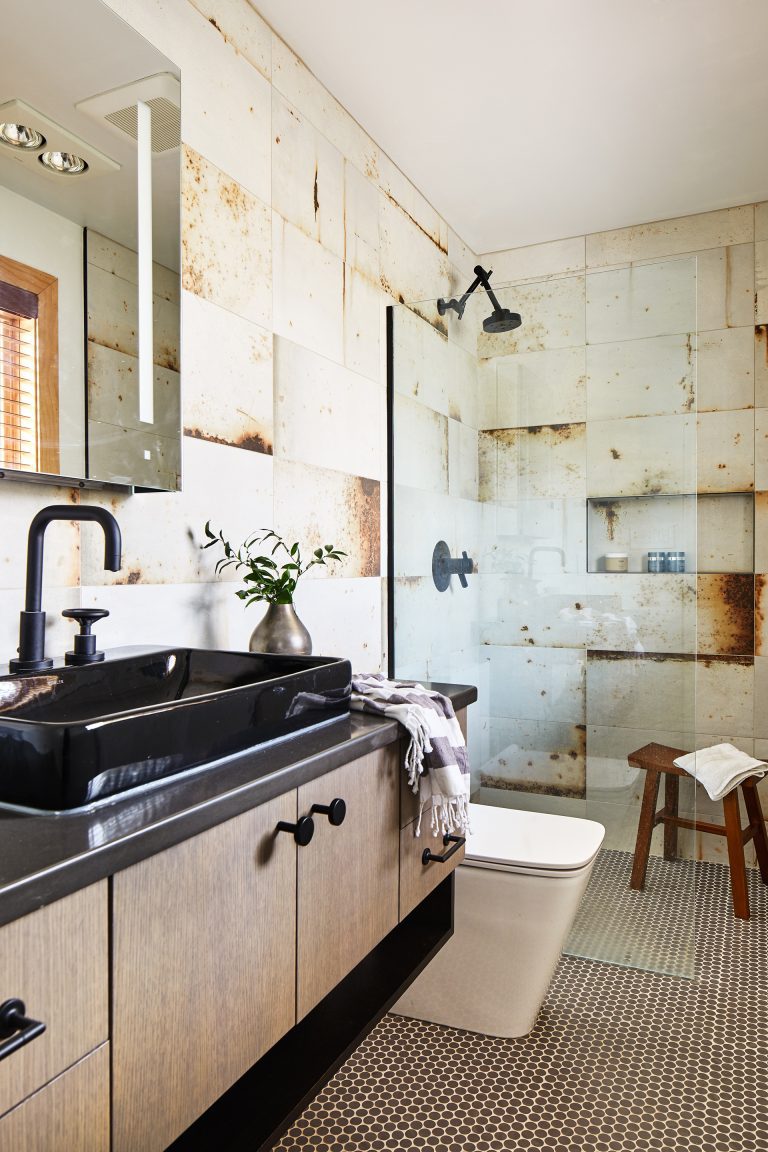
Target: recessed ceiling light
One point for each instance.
(20, 136)
(65, 163)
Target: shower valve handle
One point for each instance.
(444, 566)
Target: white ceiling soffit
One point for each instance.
(524, 122)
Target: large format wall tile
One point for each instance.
(305, 92)
(725, 457)
(220, 221)
(238, 22)
(669, 237)
(537, 684)
(413, 266)
(307, 177)
(725, 285)
(344, 619)
(761, 449)
(726, 614)
(549, 611)
(726, 533)
(318, 506)
(326, 415)
(363, 317)
(641, 301)
(539, 387)
(640, 612)
(725, 695)
(227, 399)
(536, 261)
(725, 377)
(533, 463)
(638, 457)
(536, 756)
(630, 690)
(655, 376)
(421, 446)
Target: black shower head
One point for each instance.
(502, 320)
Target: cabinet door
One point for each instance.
(203, 971)
(71, 1114)
(55, 961)
(348, 875)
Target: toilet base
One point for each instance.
(494, 973)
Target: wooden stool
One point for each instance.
(657, 759)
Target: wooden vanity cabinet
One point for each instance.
(55, 961)
(223, 942)
(203, 978)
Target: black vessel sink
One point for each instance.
(72, 736)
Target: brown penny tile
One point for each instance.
(620, 1060)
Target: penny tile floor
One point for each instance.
(620, 1060)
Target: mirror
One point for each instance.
(71, 405)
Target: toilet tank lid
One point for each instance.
(531, 839)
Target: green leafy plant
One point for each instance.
(266, 578)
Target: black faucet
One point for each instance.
(32, 619)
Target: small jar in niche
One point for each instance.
(656, 561)
(675, 562)
(616, 562)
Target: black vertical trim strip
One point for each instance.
(390, 491)
(86, 438)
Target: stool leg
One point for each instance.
(755, 813)
(736, 855)
(671, 795)
(645, 829)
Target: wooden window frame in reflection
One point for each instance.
(46, 289)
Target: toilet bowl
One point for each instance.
(517, 893)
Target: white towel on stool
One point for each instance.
(721, 768)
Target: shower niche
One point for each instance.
(713, 531)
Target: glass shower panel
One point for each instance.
(540, 452)
(642, 560)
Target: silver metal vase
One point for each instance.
(281, 632)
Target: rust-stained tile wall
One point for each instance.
(674, 403)
(297, 230)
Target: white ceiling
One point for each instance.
(524, 122)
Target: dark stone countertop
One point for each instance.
(44, 857)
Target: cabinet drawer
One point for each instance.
(417, 880)
(71, 1113)
(55, 960)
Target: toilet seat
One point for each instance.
(512, 840)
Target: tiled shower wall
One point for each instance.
(596, 396)
(296, 231)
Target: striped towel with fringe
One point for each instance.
(436, 760)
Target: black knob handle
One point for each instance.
(84, 651)
(335, 811)
(15, 1023)
(303, 830)
(457, 842)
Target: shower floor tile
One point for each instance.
(653, 929)
(620, 1060)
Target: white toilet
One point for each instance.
(517, 893)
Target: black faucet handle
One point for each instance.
(85, 642)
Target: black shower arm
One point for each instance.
(481, 277)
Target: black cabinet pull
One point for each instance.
(335, 811)
(14, 1023)
(457, 842)
(303, 830)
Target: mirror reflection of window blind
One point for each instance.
(18, 378)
